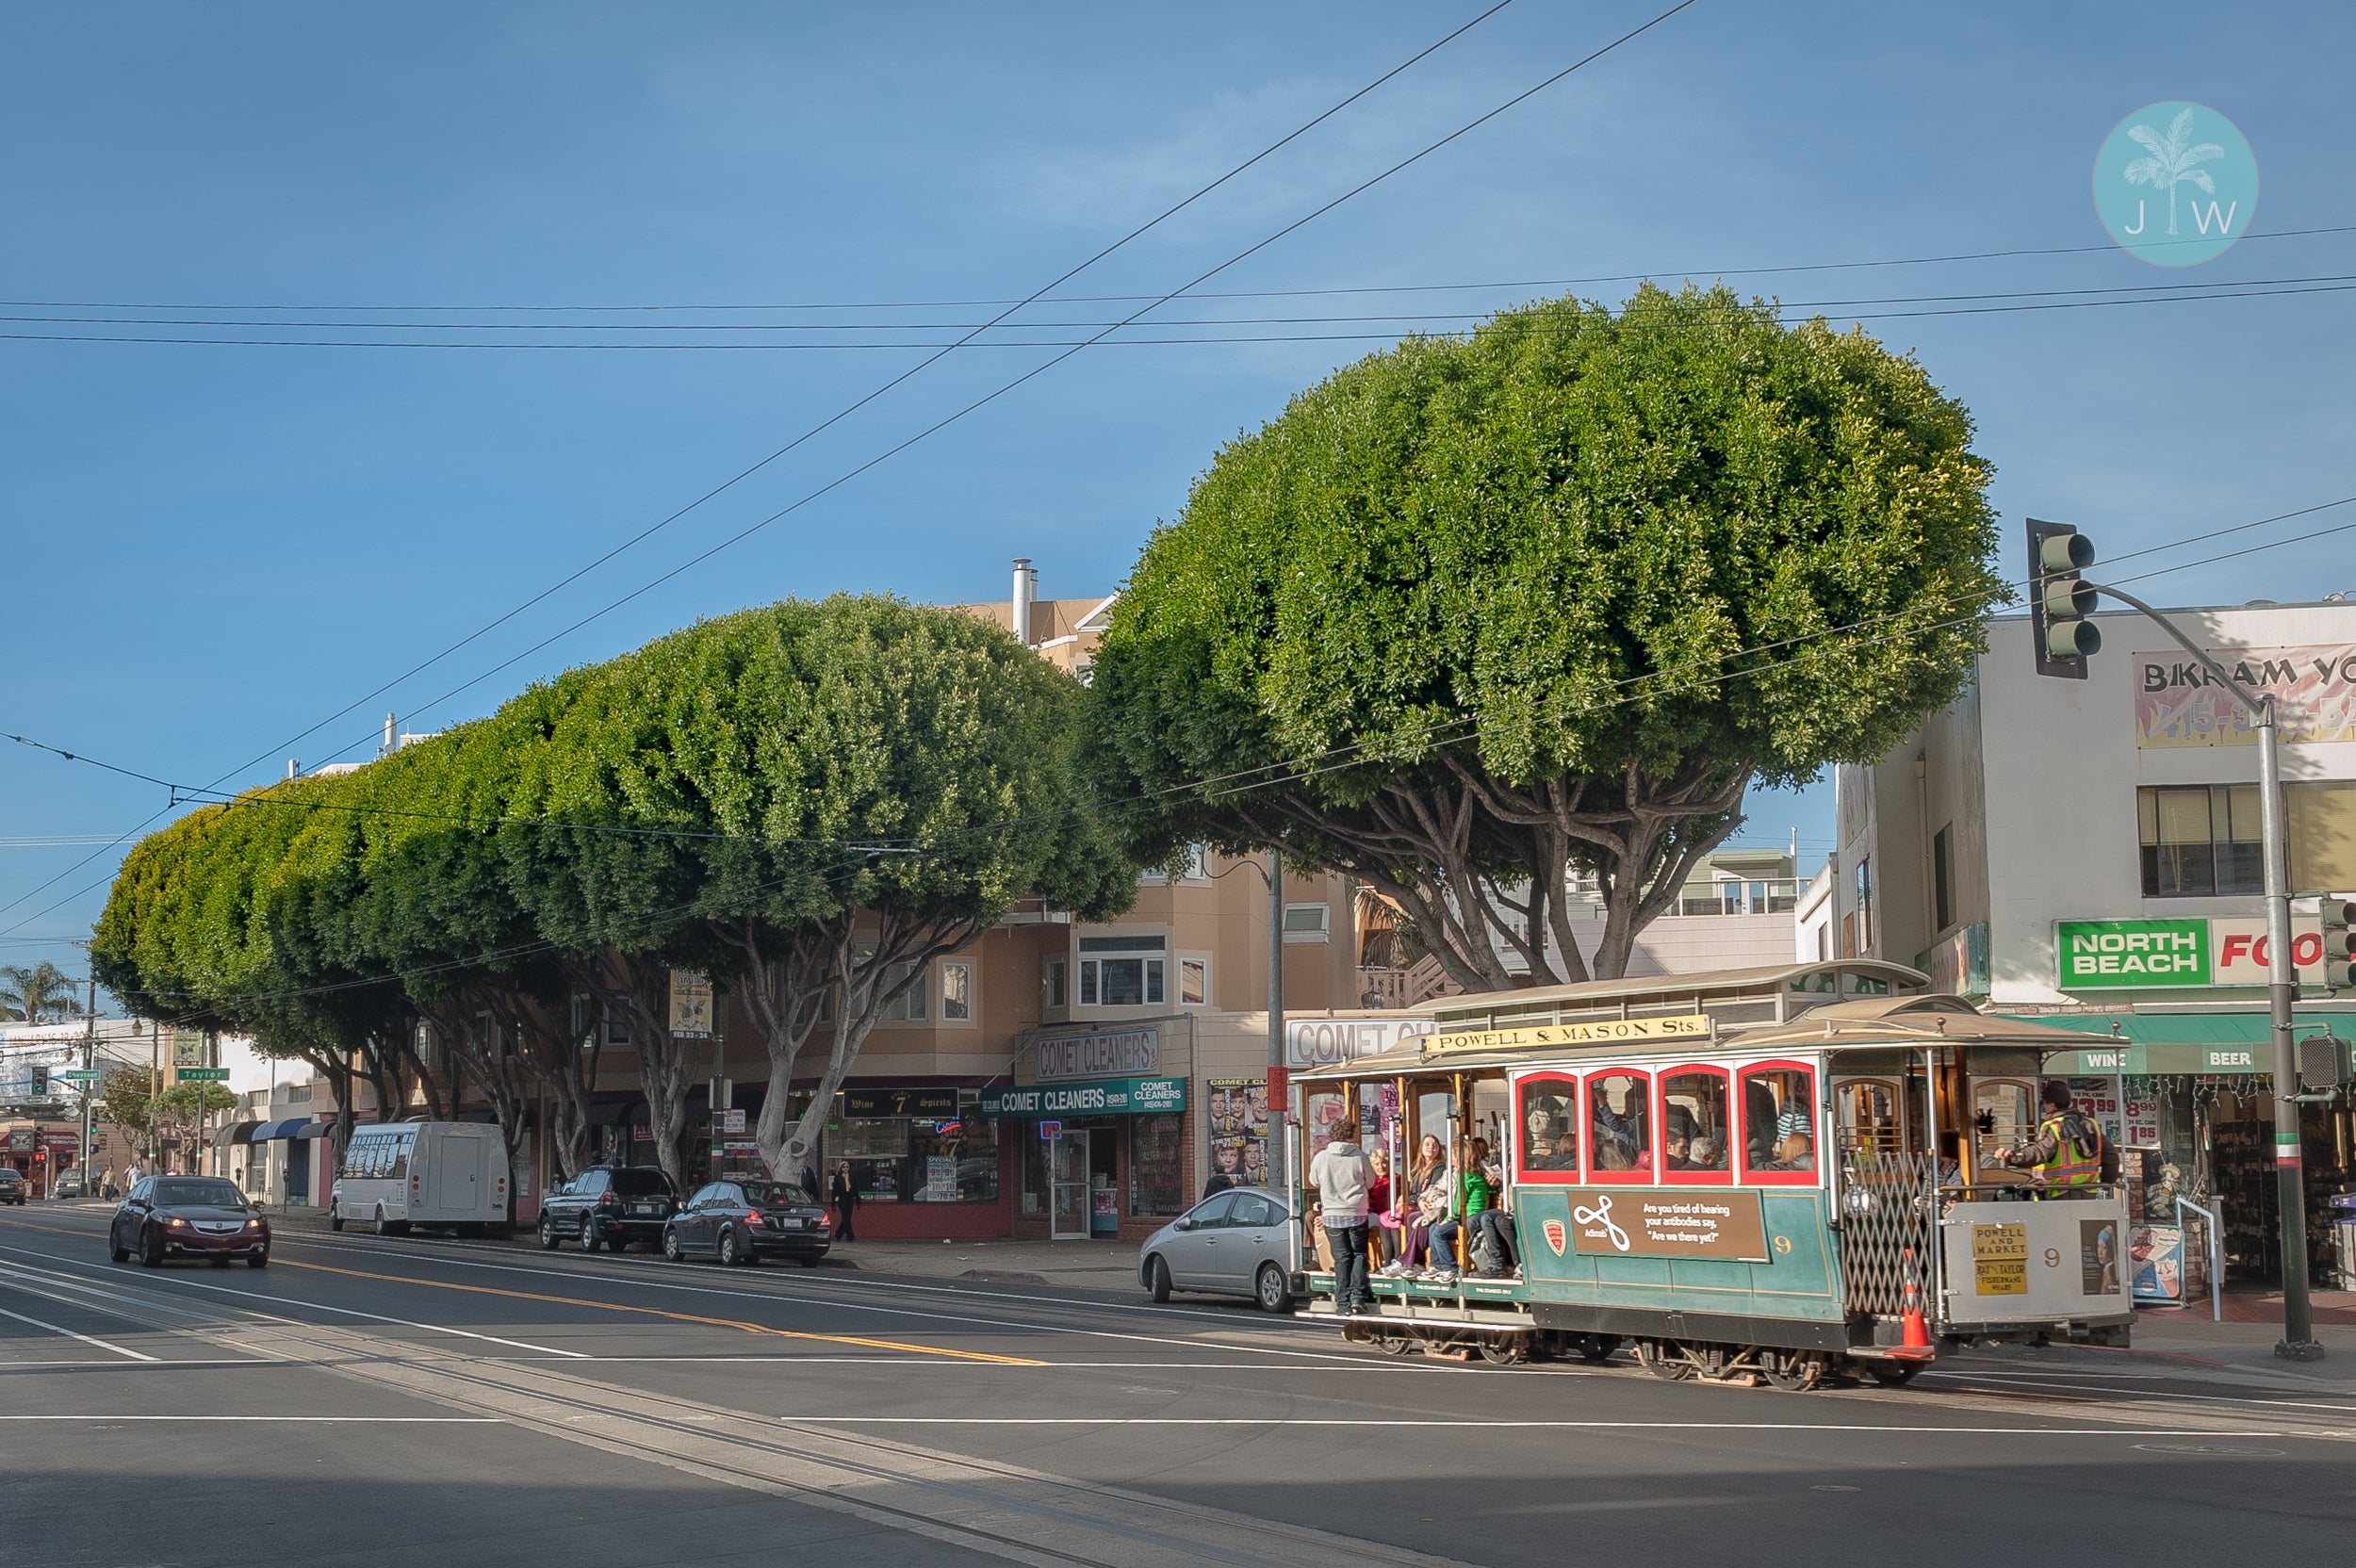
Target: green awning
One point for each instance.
(2175, 1042)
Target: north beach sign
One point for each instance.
(2123, 954)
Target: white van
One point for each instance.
(433, 1173)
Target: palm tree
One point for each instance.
(31, 995)
(2172, 160)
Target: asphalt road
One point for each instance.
(370, 1400)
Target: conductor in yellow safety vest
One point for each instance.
(2068, 1149)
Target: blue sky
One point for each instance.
(214, 548)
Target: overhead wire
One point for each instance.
(1954, 257)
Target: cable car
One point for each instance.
(1784, 1176)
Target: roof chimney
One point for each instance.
(294, 767)
(1025, 591)
(392, 737)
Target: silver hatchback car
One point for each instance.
(1234, 1243)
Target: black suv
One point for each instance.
(609, 1205)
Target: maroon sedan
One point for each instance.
(194, 1217)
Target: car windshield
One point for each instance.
(221, 1194)
(642, 1184)
(776, 1195)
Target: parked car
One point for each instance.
(200, 1216)
(613, 1205)
(437, 1174)
(1234, 1243)
(71, 1183)
(744, 1222)
(13, 1186)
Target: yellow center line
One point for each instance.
(674, 1316)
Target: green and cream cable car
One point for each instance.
(1780, 1175)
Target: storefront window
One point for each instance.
(1157, 1167)
(946, 1154)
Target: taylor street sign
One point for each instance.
(201, 1074)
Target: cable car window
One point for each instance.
(1866, 1110)
(2002, 1118)
(1619, 1136)
(1547, 1119)
(1695, 1145)
(1779, 1123)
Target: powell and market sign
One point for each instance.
(1106, 1096)
(2141, 954)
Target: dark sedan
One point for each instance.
(190, 1216)
(13, 1186)
(744, 1222)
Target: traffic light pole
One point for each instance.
(2298, 1332)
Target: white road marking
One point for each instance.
(991, 1367)
(1387, 1422)
(789, 1296)
(2162, 1394)
(103, 1344)
(298, 1301)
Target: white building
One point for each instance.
(2090, 849)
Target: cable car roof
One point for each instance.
(1858, 1022)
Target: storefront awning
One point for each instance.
(1103, 1097)
(269, 1132)
(241, 1133)
(319, 1129)
(2165, 1043)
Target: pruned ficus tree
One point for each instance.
(821, 799)
(187, 936)
(1474, 615)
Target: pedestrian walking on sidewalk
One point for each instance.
(845, 1195)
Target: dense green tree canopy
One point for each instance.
(807, 799)
(1474, 611)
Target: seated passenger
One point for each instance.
(1708, 1153)
(1565, 1155)
(1676, 1151)
(1475, 1196)
(1795, 1139)
(1423, 1202)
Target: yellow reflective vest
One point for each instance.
(2070, 1165)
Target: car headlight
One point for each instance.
(176, 1222)
(255, 1223)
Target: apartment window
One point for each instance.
(1054, 984)
(1864, 905)
(909, 1005)
(585, 1019)
(2323, 836)
(2198, 839)
(1942, 880)
(957, 993)
(1307, 922)
(1122, 972)
(1194, 982)
(421, 1042)
(617, 1024)
(1198, 863)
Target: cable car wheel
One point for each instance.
(1665, 1359)
(1502, 1350)
(1674, 1361)
(1792, 1371)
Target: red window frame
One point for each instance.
(1742, 1130)
(1565, 1084)
(1642, 1175)
(1660, 1124)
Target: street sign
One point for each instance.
(201, 1074)
(78, 1074)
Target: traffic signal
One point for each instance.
(2339, 945)
(40, 1081)
(2059, 602)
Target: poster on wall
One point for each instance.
(2099, 1098)
(1239, 1133)
(2156, 1254)
(2180, 704)
(690, 1006)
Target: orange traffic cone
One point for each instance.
(1917, 1332)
